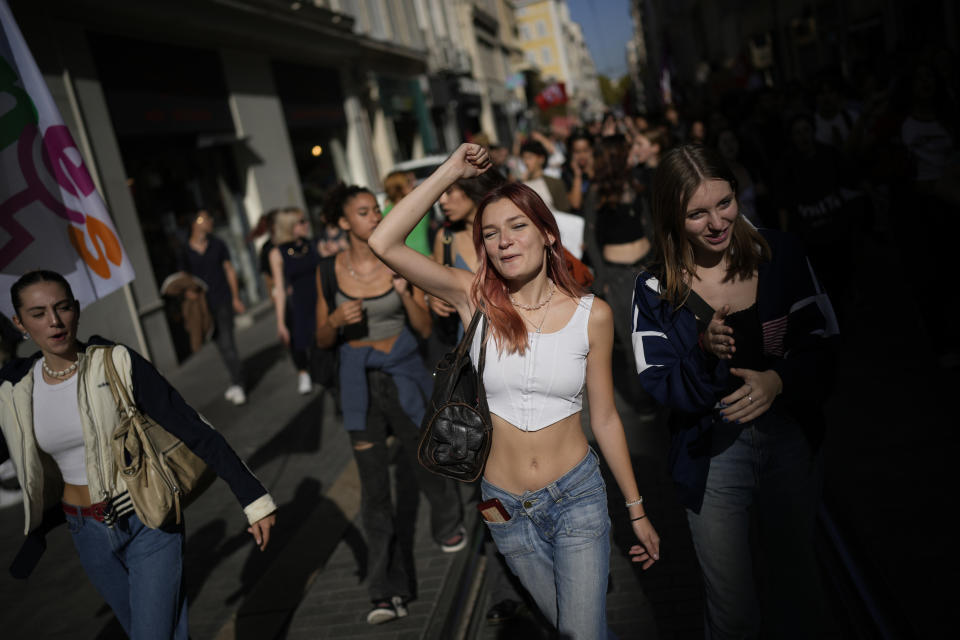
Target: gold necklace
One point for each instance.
(298, 249)
(543, 319)
(540, 305)
(364, 277)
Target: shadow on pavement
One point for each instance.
(256, 365)
(273, 582)
(300, 435)
(671, 585)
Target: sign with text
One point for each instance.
(51, 216)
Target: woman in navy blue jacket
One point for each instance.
(732, 332)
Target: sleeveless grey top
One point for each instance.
(383, 316)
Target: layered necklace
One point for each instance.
(539, 305)
(60, 374)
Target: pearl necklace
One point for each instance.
(60, 374)
(534, 307)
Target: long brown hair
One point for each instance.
(679, 175)
(610, 171)
(489, 291)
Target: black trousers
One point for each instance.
(386, 574)
(226, 343)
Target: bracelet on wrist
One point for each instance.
(634, 502)
(638, 518)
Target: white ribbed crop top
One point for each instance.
(56, 425)
(545, 384)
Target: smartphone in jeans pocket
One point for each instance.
(493, 510)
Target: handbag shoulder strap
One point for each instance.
(464, 348)
(116, 384)
(447, 248)
(700, 307)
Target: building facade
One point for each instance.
(234, 107)
(487, 27)
(554, 44)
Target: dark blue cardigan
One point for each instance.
(799, 328)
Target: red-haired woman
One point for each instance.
(548, 340)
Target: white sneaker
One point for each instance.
(382, 612)
(304, 383)
(235, 395)
(399, 606)
(456, 542)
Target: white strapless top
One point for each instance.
(545, 384)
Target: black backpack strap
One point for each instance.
(328, 281)
(700, 308)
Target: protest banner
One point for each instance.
(51, 215)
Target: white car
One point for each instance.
(421, 168)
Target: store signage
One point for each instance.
(51, 216)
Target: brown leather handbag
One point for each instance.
(456, 432)
(157, 467)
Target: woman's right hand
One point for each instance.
(350, 312)
(718, 338)
(648, 551)
(469, 160)
(440, 306)
(284, 334)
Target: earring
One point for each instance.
(26, 336)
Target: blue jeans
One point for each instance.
(138, 571)
(766, 483)
(557, 542)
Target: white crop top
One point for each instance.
(56, 424)
(545, 385)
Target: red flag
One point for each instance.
(551, 96)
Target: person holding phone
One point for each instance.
(369, 310)
(733, 332)
(578, 174)
(548, 341)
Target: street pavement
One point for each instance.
(295, 446)
(309, 582)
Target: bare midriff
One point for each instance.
(76, 494)
(626, 253)
(384, 345)
(522, 461)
